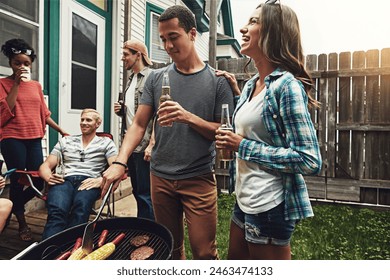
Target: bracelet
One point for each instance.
(120, 163)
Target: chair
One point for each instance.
(110, 200)
(28, 177)
(110, 209)
(6, 174)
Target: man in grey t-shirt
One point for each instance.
(182, 179)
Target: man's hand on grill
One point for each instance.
(112, 175)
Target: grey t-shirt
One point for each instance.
(181, 152)
(90, 161)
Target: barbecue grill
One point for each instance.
(160, 239)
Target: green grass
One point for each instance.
(336, 232)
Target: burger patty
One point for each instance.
(142, 253)
(139, 240)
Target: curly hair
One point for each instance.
(183, 14)
(18, 44)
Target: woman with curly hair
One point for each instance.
(24, 116)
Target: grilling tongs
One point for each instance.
(87, 244)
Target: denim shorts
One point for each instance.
(268, 227)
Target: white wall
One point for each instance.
(226, 50)
(118, 35)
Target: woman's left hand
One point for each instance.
(226, 139)
(90, 183)
(148, 152)
(63, 132)
(231, 79)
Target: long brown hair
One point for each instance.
(280, 41)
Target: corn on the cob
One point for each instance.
(78, 254)
(101, 253)
(106, 250)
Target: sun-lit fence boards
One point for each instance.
(353, 124)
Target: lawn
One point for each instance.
(336, 232)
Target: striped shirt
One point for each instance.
(27, 120)
(295, 151)
(76, 160)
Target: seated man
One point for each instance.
(5, 206)
(81, 159)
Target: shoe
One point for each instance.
(25, 234)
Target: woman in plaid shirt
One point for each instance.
(274, 138)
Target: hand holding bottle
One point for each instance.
(226, 140)
(119, 107)
(165, 96)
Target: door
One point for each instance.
(81, 64)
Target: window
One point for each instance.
(158, 52)
(25, 9)
(84, 63)
(19, 19)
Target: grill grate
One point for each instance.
(123, 250)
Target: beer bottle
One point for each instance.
(225, 154)
(165, 93)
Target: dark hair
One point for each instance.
(280, 41)
(18, 44)
(183, 14)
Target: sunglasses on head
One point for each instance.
(273, 2)
(23, 51)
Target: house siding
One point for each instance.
(138, 24)
(202, 45)
(137, 19)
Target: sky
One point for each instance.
(330, 25)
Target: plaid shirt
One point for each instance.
(295, 151)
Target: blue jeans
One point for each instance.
(268, 227)
(139, 172)
(67, 206)
(22, 155)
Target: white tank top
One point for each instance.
(257, 190)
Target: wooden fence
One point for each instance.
(353, 124)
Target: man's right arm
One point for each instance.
(131, 140)
(45, 171)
